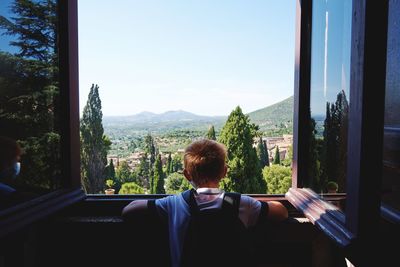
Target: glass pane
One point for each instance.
(391, 146)
(29, 101)
(162, 74)
(330, 81)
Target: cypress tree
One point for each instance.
(150, 148)
(335, 141)
(244, 172)
(168, 165)
(314, 179)
(211, 133)
(277, 158)
(158, 181)
(143, 172)
(266, 153)
(110, 170)
(93, 148)
(262, 153)
(342, 108)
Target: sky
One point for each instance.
(201, 56)
(330, 55)
(5, 39)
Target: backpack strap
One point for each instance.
(188, 196)
(231, 202)
(262, 217)
(151, 206)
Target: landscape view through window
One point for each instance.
(157, 75)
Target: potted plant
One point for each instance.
(332, 187)
(110, 191)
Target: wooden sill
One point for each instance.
(39, 208)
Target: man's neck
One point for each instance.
(209, 185)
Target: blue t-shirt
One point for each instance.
(176, 210)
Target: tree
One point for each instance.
(266, 153)
(35, 27)
(110, 170)
(177, 163)
(244, 172)
(262, 153)
(142, 172)
(29, 98)
(93, 146)
(176, 183)
(131, 188)
(330, 144)
(342, 110)
(168, 165)
(278, 179)
(334, 156)
(150, 150)
(314, 177)
(289, 157)
(277, 158)
(211, 133)
(158, 180)
(123, 173)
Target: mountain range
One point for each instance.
(267, 118)
(169, 116)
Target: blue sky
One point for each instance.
(330, 60)
(204, 56)
(5, 39)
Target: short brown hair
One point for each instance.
(204, 160)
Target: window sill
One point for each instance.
(112, 205)
(389, 214)
(22, 215)
(327, 217)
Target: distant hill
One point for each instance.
(169, 116)
(276, 116)
(273, 116)
(164, 122)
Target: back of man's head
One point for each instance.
(204, 161)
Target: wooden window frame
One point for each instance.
(363, 213)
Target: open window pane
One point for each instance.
(169, 73)
(391, 147)
(29, 100)
(329, 100)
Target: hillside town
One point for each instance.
(283, 143)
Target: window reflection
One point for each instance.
(329, 103)
(391, 143)
(29, 95)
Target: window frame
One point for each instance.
(24, 214)
(358, 225)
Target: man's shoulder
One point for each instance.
(248, 200)
(171, 201)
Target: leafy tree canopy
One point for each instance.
(278, 179)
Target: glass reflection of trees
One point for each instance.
(328, 150)
(29, 90)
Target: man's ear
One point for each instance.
(225, 170)
(187, 175)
